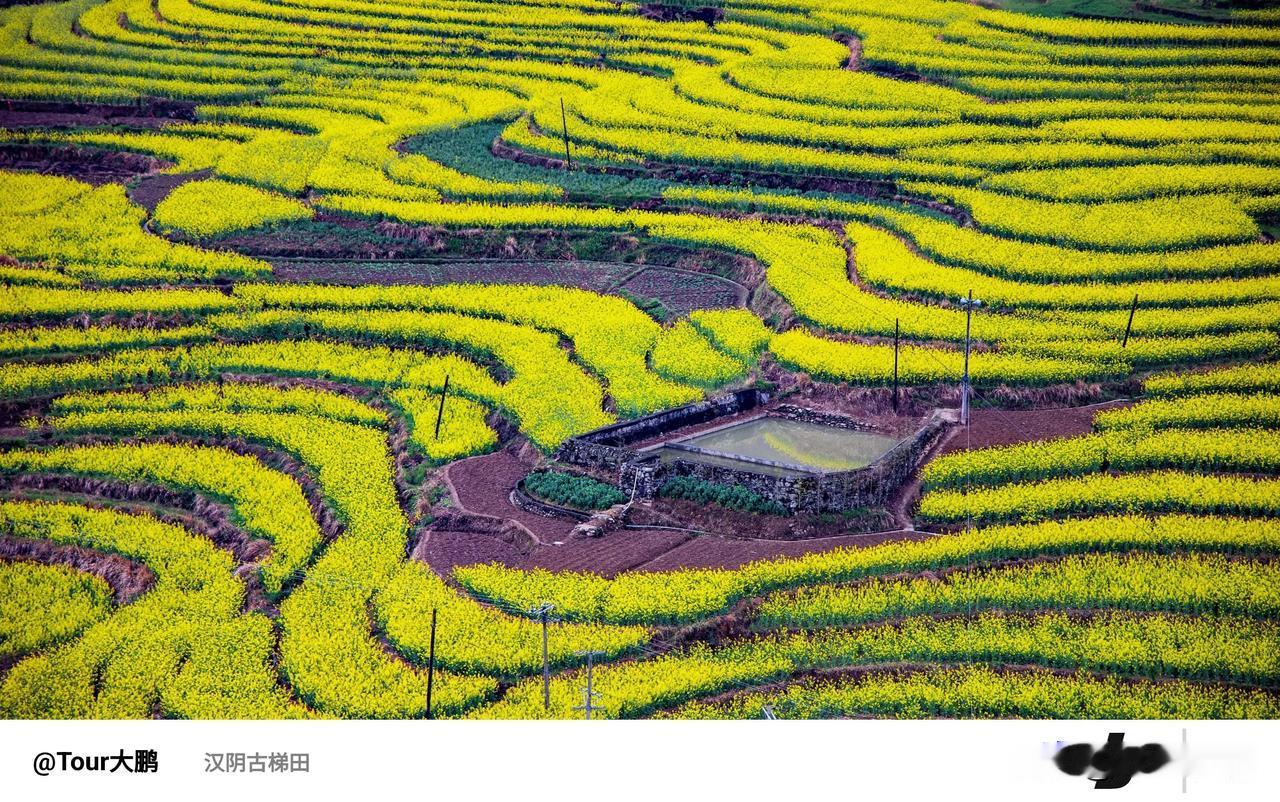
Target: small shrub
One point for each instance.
(653, 307)
(734, 497)
(581, 492)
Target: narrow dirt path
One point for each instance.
(855, 50)
(149, 190)
(482, 486)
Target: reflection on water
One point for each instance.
(805, 445)
(667, 454)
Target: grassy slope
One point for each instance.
(1207, 10)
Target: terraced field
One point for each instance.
(239, 254)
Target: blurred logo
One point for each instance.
(1116, 763)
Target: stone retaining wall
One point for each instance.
(606, 447)
(876, 483)
(804, 415)
(522, 500)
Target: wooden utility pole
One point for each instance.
(431, 661)
(968, 304)
(440, 412)
(1129, 326)
(564, 129)
(543, 612)
(896, 332)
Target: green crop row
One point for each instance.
(676, 597)
(41, 605)
(981, 692)
(184, 647)
(734, 497)
(1162, 645)
(1155, 492)
(1200, 584)
(1244, 450)
(581, 492)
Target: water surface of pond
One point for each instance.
(808, 446)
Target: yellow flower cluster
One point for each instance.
(1202, 584)
(1172, 645)
(43, 604)
(463, 430)
(1240, 450)
(267, 503)
(325, 617)
(184, 647)
(683, 354)
(1155, 492)
(228, 397)
(97, 234)
(1121, 159)
(735, 331)
(212, 208)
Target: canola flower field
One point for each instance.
(1070, 173)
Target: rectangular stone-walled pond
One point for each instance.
(807, 460)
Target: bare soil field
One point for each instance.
(727, 523)
(483, 484)
(444, 549)
(715, 552)
(596, 276)
(336, 249)
(149, 190)
(683, 291)
(610, 555)
(680, 291)
(148, 113)
(1003, 427)
(90, 165)
(335, 236)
